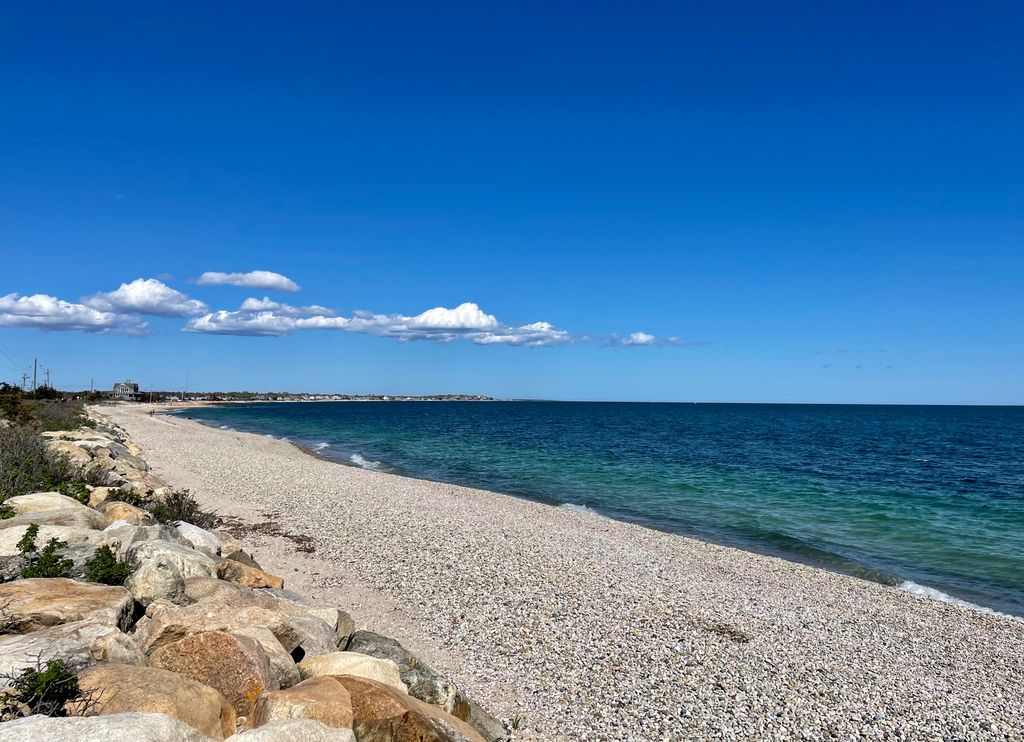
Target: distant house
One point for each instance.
(126, 390)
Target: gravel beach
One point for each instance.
(583, 628)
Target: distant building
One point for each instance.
(126, 390)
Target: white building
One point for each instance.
(126, 390)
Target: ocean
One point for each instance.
(930, 499)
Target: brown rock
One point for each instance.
(169, 624)
(116, 510)
(218, 592)
(74, 453)
(282, 666)
(99, 495)
(76, 517)
(30, 605)
(321, 699)
(353, 663)
(380, 710)
(120, 688)
(235, 665)
(247, 576)
(40, 501)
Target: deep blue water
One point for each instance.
(929, 495)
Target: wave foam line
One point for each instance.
(931, 593)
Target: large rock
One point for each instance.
(233, 664)
(199, 538)
(353, 663)
(79, 644)
(241, 574)
(190, 563)
(30, 605)
(321, 699)
(99, 495)
(422, 680)
(157, 579)
(115, 510)
(383, 714)
(295, 730)
(337, 619)
(428, 685)
(282, 666)
(129, 727)
(76, 517)
(170, 624)
(315, 636)
(120, 688)
(121, 535)
(218, 592)
(75, 454)
(9, 537)
(34, 503)
(488, 726)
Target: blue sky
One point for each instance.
(798, 202)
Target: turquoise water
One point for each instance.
(930, 496)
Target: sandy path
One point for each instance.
(590, 629)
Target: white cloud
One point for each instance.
(42, 312)
(646, 339)
(242, 323)
(440, 324)
(640, 338)
(253, 279)
(266, 304)
(146, 296)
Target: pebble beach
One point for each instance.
(577, 627)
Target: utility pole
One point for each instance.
(47, 377)
(35, 368)
(92, 387)
(24, 382)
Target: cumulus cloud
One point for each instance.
(266, 304)
(253, 279)
(42, 312)
(146, 296)
(440, 324)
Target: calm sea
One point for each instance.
(929, 498)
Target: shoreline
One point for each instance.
(657, 623)
(854, 569)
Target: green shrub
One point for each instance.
(58, 415)
(44, 691)
(180, 505)
(27, 465)
(105, 569)
(45, 563)
(76, 490)
(129, 496)
(11, 406)
(6, 511)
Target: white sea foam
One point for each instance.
(933, 594)
(360, 461)
(573, 507)
(224, 427)
(321, 446)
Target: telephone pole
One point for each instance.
(24, 382)
(35, 368)
(47, 377)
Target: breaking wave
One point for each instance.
(360, 461)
